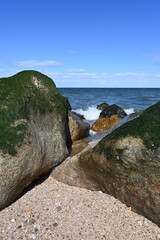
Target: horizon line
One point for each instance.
(114, 87)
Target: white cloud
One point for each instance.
(86, 79)
(81, 78)
(131, 74)
(35, 63)
(76, 70)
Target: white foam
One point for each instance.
(92, 132)
(129, 110)
(92, 113)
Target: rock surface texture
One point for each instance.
(113, 110)
(34, 133)
(102, 106)
(124, 164)
(67, 103)
(79, 128)
(109, 118)
(105, 123)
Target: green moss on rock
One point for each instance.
(20, 93)
(146, 126)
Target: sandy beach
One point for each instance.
(52, 210)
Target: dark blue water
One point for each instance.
(136, 98)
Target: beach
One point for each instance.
(48, 209)
(53, 210)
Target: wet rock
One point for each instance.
(102, 106)
(109, 118)
(105, 123)
(79, 115)
(79, 128)
(113, 110)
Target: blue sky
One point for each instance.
(83, 43)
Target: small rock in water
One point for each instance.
(102, 106)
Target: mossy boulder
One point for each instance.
(125, 164)
(34, 132)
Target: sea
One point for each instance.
(132, 100)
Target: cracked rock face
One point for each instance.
(124, 164)
(46, 138)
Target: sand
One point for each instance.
(53, 210)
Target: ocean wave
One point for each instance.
(92, 113)
(129, 111)
(92, 132)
